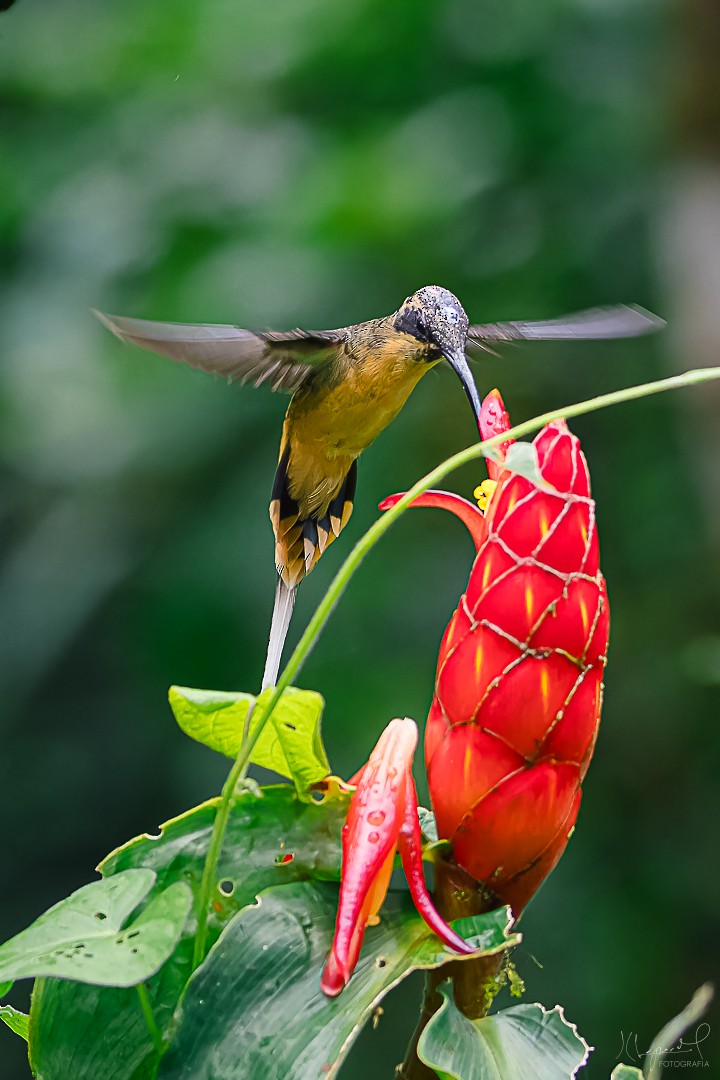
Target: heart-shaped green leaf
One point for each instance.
(81, 937)
(514, 1044)
(290, 742)
(272, 838)
(254, 1010)
(73, 1026)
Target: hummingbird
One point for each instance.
(347, 385)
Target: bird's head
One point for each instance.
(436, 319)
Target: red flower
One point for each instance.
(382, 818)
(518, 689)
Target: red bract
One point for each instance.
(518, 688)
(382, 817)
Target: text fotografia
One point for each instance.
(685, 1054)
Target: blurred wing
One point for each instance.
(611, 322)
(282, 360)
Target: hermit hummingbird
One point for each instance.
(347, 385)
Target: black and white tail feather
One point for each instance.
(282, 613)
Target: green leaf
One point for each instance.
(254, 1009)
(272, 838)
(521, 458)
(74, 1026)
(81, 938)
(670, 1037)
(16, 1021)
(524, 1041)
(673, 1031)
(5, 988)
(290, 744)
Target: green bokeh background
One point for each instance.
(311, 163)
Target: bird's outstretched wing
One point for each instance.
(622, 321)
(283, 360)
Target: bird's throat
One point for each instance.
(328, 427)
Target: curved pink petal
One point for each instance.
(494, 420)
(410, 848)
(369, 840)
(468, 513)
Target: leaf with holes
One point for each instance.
(272, 838)
(254, 1009)
(526, 1040)
(81, 937)
(73, 1026)
(290, 743)
(15, 1020)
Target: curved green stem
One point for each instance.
(339, 583)
(149, 1015)
(213, 854)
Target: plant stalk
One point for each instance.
(147, 1010)
(213, 854)
(339, 583)
(475, 982)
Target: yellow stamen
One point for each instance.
(484, 493)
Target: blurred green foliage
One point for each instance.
(313, 163)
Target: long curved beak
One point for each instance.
(456, 360)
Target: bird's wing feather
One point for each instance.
(283, 360)
(622, 321)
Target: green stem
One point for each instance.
(213, 854)
(152, 1027)
(351, 564)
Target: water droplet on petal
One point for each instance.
(374, 837)
(376, 817)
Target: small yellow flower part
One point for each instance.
(484, 493)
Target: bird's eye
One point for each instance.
(410, 321)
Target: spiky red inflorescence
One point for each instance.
(516, 706)
(518, 689)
